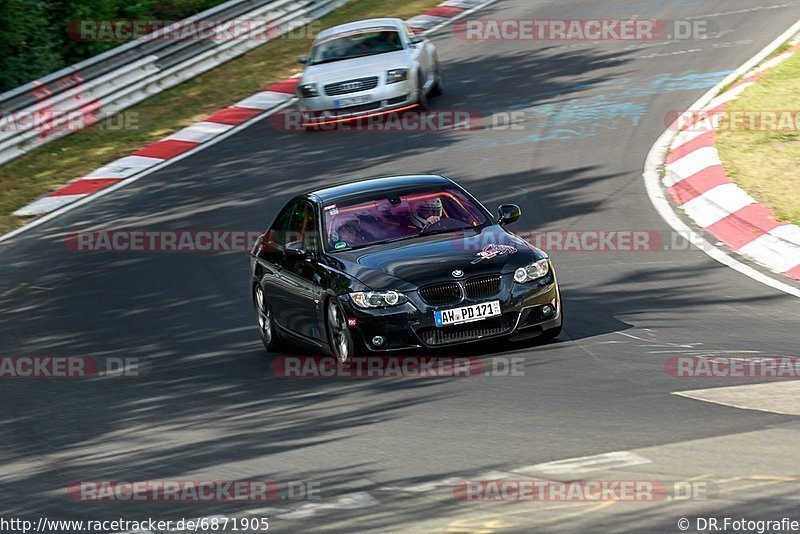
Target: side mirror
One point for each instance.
(417, 39)
(508, 213)
(302, 59)
(295, 249)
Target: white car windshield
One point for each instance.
(353, 45)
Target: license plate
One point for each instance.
(467, 314)
(347, 102)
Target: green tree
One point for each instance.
(29, 48)
(34, 37)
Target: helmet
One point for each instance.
(424, 209)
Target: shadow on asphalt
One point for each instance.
(209, 392)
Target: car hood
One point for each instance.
(361, 67)
(408, 265)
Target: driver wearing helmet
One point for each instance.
(426, 212)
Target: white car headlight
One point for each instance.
(378, 299)
(534, 271)
(396, 75)
(308, 90)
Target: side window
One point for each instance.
(303, 226)
(277, 236)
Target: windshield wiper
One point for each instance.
(331, 60)
(444, 230)
(395, 240)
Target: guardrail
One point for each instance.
(108, 83)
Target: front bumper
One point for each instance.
(412, 325)
(382, 99)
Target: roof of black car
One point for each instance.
(378, 185)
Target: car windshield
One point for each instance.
(353, 45)
(369, 221)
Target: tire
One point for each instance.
(438, 87)
(266, 324)
(339, 337)
(422, 96)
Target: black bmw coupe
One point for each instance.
(397, 263)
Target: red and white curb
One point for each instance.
(273, 98)
(697, 182)
(168, 148)
(654, 169)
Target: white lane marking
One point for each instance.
(125, 167)
(567, 466)
(657, 155)
(698, 129)
(146, 172)
(90, 198)
(774, 253)
(426, 486)
(788, 232)
(350, 501)
(658, 343)
(587, 464)
(771, 63)
(716, 204)
(466, 4)
(363, 499)
(264, 100)
(199, 132)
(425, 21)
(728, 96)
(46, 204)
(775, 397)
(691, 164)
(703, 352)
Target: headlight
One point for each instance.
(534, 271)
(396, 75)
(378, 299)
(309, 90)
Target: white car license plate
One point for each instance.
(467, 314)
(355, 101)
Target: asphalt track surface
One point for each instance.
(209, 407)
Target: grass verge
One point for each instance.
(46, 168)
(764, 161)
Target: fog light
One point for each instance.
(378, 341)
(547, 310)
